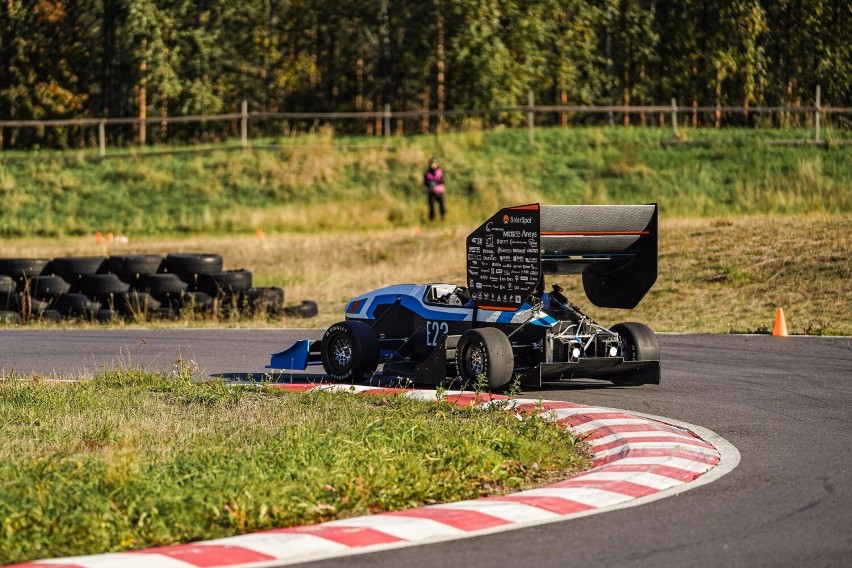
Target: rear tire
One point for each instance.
(640, 344)
(350, 351)
(485, 354)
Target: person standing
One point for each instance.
(433, 179)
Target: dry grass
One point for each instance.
(714, 275)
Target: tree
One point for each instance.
(574, 62)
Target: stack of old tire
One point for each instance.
(133, 286)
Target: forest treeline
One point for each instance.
(132, 58)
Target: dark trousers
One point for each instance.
(433, 199)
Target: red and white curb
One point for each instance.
(636, 459)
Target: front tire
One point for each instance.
(485, 354)
(349, 351)
(640, 344)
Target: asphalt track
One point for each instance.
(786, 404)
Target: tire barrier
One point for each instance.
(48, 286)
(135, 287)
(7, 285)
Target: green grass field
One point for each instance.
(320, 182)
(131, 460)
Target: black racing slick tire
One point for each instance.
(485, 355)
(640, 344)
(350, 351)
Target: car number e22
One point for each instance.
(434, 331)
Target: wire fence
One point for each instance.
(131, 134)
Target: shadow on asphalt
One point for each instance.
(388, 381)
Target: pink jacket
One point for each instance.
(434, 180)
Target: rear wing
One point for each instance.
(613, 247)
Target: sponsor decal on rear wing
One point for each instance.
(503, 258)
(613, 247)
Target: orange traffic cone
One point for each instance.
(780, 329)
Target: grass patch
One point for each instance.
(315, 184)
(132, 459)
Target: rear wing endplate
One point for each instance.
(613, 247)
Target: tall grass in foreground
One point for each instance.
(320, 183)
(132, 459)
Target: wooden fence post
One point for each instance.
(816, 117)
(244, 125)
(386, 121)
(531, 116)
(674, 117)
(102, 138)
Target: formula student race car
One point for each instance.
(504, 324)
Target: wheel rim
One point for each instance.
(474, 361)
(341, 352)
